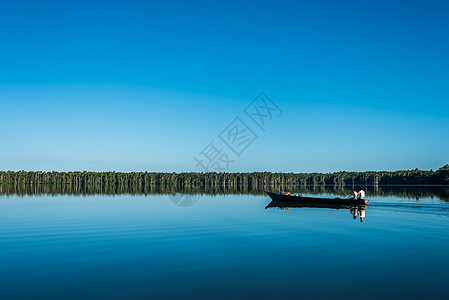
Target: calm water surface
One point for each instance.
(223, 247)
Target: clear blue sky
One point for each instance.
(145, 86)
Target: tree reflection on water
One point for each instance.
(405, 191)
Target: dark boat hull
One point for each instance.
(298, 204)
(313, 200)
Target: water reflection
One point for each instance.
(412, 192)
(358, 211)
(141, 247)
(355, 210)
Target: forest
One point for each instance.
(141, 180)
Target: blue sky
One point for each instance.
(145, 86)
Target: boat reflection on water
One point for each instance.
(354, 210)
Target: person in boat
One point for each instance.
(354, 194)
(285, 193)
(361, 194)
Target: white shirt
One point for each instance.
(361, 193)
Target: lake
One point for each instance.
(223, 245)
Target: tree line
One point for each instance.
(140, 180)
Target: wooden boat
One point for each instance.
(316, 200)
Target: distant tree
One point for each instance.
(443, 174)
(444, 168)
